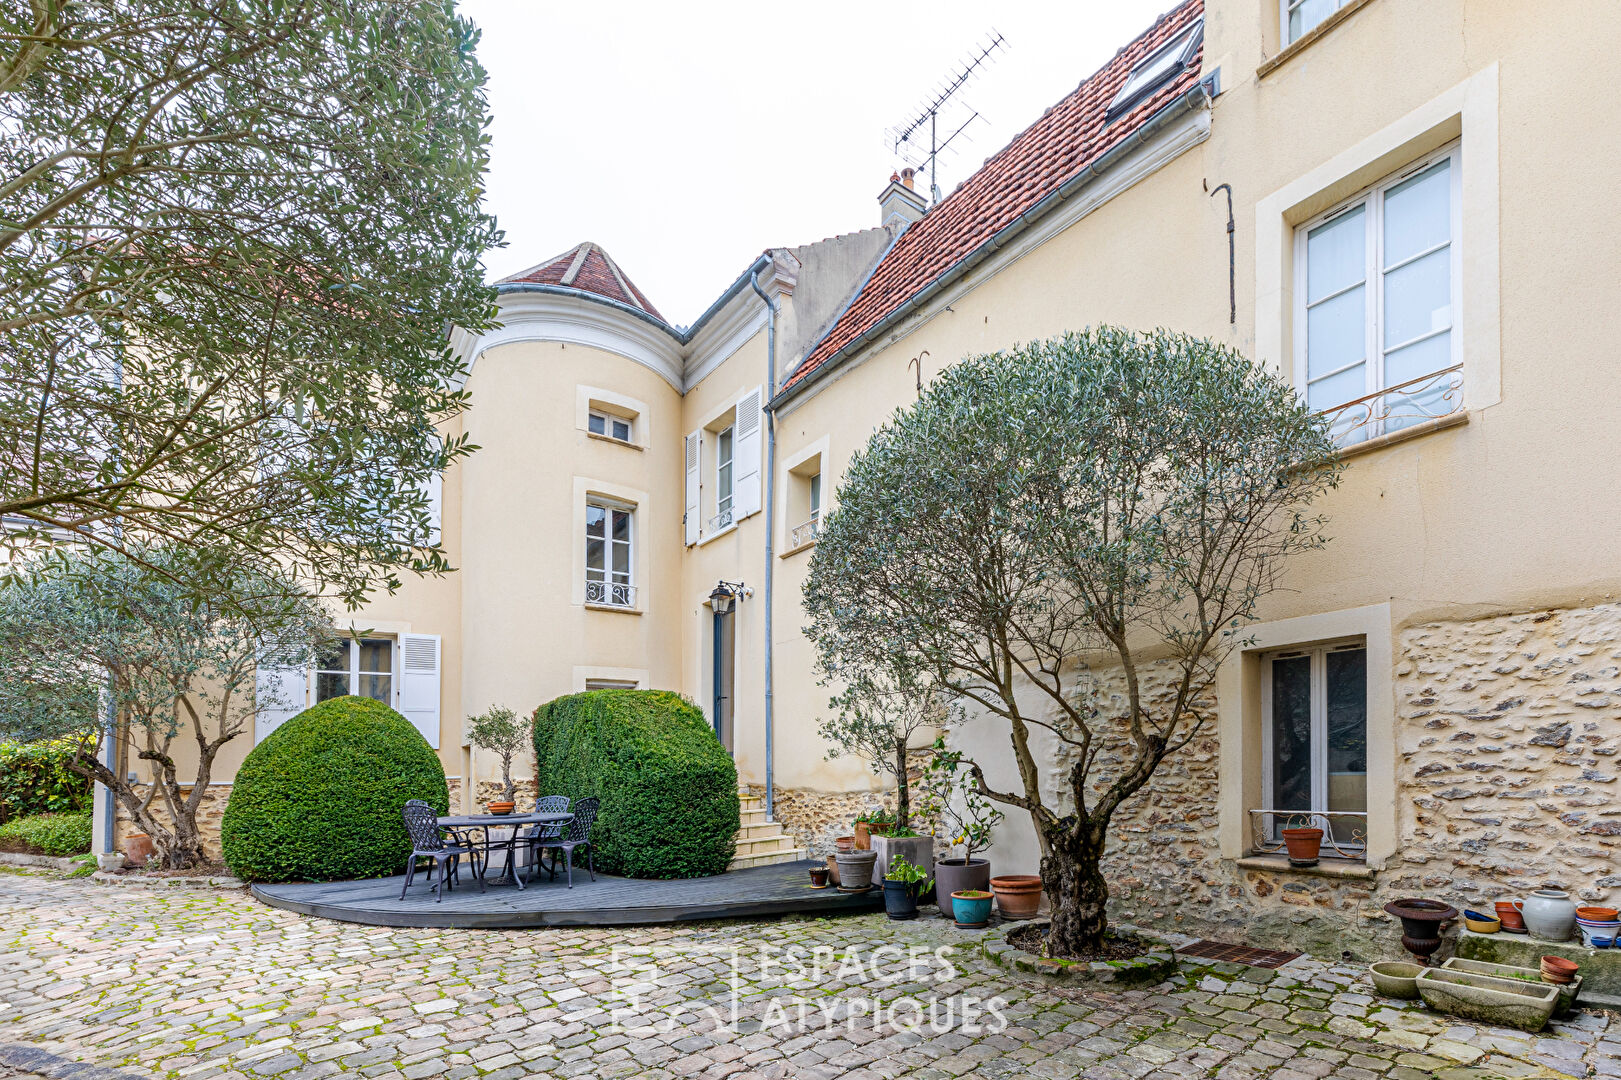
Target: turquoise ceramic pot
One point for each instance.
(970, 912)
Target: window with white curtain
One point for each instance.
(1301, 16)
(1376, 304)
(608, 556)
(1314, 719)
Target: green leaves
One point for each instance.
(232, 238)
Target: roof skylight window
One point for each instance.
(1158, 68)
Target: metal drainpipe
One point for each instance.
(770, 527)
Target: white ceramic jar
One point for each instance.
(1549, 914)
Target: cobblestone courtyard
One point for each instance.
(203, 983)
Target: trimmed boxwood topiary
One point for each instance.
(668, 787)
(319, 799)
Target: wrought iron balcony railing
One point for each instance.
(1344, 831)
(805, 531)
(610, 593)
(1428, 397)
(721, 520)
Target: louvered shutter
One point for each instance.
(746, 455)
(691, 516)
(419, 684)
(279, 695)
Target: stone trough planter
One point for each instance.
(1151, 967)
(1489, 1000)
(1567, 991)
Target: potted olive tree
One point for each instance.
(878, 715)
(499, 731)
(967, 819)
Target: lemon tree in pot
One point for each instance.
(965, 817)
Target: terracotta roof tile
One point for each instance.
(1066, 139)
(589, 269)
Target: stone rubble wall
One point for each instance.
(815, 818)
(1507, 735)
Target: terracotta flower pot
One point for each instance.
(500, 807)
(1597, 914)
(863, 836)
(1304, 845)
(818, 876)
(844, 843)
(138, 848)
(1018, 896)
(1556, 969)
(1510, 917)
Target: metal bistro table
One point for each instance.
(516, 822)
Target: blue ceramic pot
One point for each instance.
(971, 912)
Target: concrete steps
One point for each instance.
(761, 841)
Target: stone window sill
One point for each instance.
(1417, 431)
(1309, 38)
(616, 608)
(611, 439)
(1352, 869)
(806, 546)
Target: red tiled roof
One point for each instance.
(1069, 136)
(588, 268)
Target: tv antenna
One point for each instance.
(917, 141)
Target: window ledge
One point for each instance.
(614, 608)
(806, 546)
(611, 439)
(1352, 869)
(717, 534)
(1417, 431)
(1309, 38)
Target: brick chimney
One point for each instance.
(899, 204)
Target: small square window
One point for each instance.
(1302, 16)
(614, 427)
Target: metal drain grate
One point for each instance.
(1237, 954)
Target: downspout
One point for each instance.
(770, 528)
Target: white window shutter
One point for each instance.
(280, 694)
(691, 516)
(746, 455)
(435, 491)
(419, 684)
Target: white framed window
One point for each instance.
(609, 555)
(1377, 301)
(1154, 70)
(613, 427)
(363, 667)
(816, 495)
(610, 684)
(723, 478)
(1302, 16)
(1314, 737)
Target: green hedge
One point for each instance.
(35, 779)
(668, 788)
(47, 834)
(319, 799)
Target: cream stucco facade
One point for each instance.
(1443, 534)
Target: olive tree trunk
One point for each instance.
(1072, 877)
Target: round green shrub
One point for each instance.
(48, 834)
(320, 798)
(668, 787)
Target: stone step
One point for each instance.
(760, 844)
(767, 858)
(758, 829)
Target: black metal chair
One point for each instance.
(428, 842)
(578, 835)
(546, 804)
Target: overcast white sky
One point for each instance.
(687, 137)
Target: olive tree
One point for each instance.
(1099, 503)
(499, 731)
(101, 648)
(233, 234)
(875, 716)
